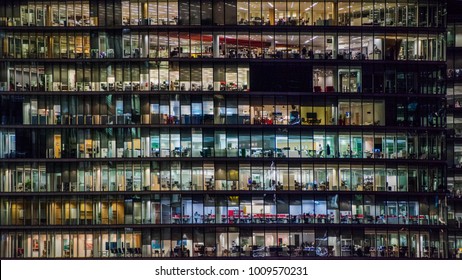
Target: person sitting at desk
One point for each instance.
(315, 185)
(348, 152)
(297, 185)
(310, 54)
(304, 52)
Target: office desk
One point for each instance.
(176, 219)
(245, 218)
(270, 218)
(311, 153)
(309, 251)
(345, 219)
(209, 251)
(307, 218)
(283, 218)
(321, 218)
(103, 254)
(314, 121)
(373, 252)
(358, 218)
(297, 252)
(258, 218)
(186, 219)
(209, 219)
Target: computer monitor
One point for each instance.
(311, 115)
(412, 107)
(111, 245)
(183, 242)
(155, 244)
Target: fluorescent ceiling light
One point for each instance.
(311, 6)
(307, 41)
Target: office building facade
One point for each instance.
(225, 129)
(454, 92)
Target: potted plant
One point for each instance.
(244, 242)
(27, 185)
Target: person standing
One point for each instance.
(310, 54)
(319, 151)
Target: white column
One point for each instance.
(334, 46)
(216, 46)
(144, 45)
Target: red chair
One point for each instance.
(330, 89)
(317, 89)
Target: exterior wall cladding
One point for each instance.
(230, 129)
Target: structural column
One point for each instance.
(144, 13)
(48, 16)
(334, 46)
(49, 22)
(144, 45)
(216, 45)
(271, 16)
(144, 52)
(50, 46)
(335, 13)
